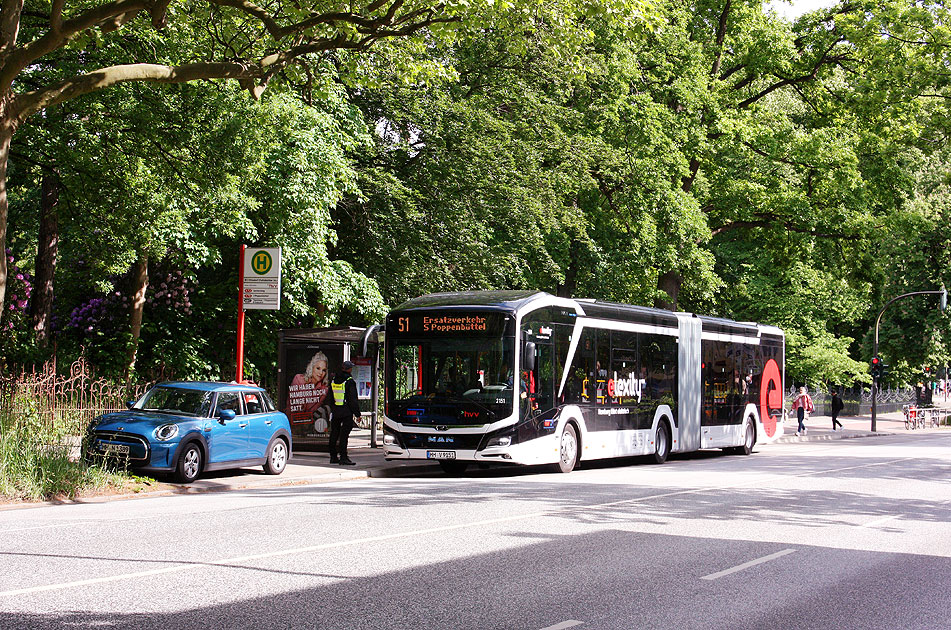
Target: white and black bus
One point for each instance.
(530, 378)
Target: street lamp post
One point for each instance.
(943, 304)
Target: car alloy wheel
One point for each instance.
(276, 457)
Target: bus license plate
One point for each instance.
(440, 455)
(121, 449)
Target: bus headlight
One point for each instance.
(389, 439)
(500, 440)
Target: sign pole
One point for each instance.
(239, 372)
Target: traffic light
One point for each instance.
(876, 368)
(944, 298)
(883, 371)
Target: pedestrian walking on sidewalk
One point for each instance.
(837, 405)
(802, 404)
(345, 409)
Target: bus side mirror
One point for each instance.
(528, 360)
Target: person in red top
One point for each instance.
(802, 404)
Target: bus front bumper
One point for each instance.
(528, 453)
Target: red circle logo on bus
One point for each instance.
(771, 397)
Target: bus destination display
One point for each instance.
(438, 324)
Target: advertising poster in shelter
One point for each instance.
(362, 373)
(308, 369)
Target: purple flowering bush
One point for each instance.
(100, 324)
(16, 332)
(19, 290)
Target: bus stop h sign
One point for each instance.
(261, 279)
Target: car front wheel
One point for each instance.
(189, 463)
(276, 457)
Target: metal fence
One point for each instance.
(66, 402)
(857, 400)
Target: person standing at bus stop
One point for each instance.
(345, 407)
(802, 404)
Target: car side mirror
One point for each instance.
(129, 404)
(226, 414)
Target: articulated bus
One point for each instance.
(524, 377)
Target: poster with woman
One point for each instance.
(307, 395)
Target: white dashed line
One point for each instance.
(747, 565)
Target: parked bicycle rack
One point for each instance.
(921, 417)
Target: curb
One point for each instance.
(829, 437)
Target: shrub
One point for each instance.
(40, 459)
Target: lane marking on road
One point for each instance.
(747, 565)
(892, 517)
(564, 624)
(185, 566)
(881, 520)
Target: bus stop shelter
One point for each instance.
(307, 360)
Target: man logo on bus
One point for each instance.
(261, 263)
(771, 397)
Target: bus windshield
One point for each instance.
(450, 380)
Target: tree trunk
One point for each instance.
(41, 304)
(669, 283)
(569, 287)
(6, 135)
(140, 282)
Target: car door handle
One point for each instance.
(243, 424)
(268, 422)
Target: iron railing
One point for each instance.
(67, 402)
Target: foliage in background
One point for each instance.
(720, 160)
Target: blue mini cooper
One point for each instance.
(186, 428)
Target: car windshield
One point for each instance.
(176, 400)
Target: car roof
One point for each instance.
(208, 386)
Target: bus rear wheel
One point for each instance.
(749, 438)
(661, 443)
(567, 449)
(453, 466)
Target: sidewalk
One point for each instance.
(819, 428)
(305, 467)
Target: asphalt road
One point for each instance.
(840, 534)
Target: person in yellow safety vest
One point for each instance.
(344, 408)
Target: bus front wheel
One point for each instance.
(568, 449)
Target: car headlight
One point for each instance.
(165, 432)
(501, 440)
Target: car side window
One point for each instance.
(266, 402)
(228, 400)
(253, 403)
